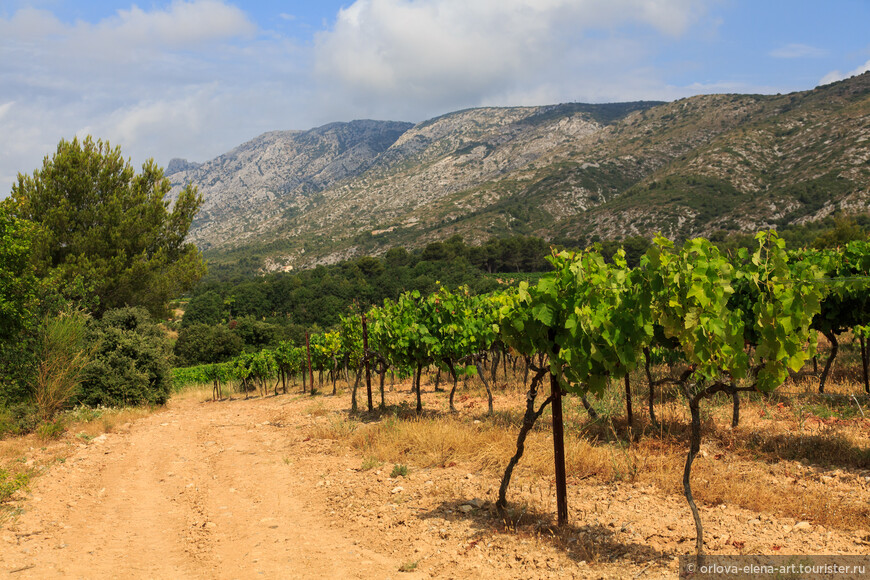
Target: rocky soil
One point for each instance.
(240, 489)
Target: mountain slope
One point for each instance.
(570, 172)
(248, 190)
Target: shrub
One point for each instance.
(62, 360)
(202, 344)
(130, 365)
(51, 429)
(9, 483)
(17, 419)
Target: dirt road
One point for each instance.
(196, 491)
(241, 489)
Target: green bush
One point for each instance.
(203, 344)
(9, 484)
(17, 419)
(130, 364)
(51, 429)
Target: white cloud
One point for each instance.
(836, 75)
(183, 24)
(798, 51)
(191, 79)
(451, 53)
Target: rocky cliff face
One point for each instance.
(249, 190)
(568, 171)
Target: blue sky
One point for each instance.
(194, 78)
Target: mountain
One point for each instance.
(569, 172)
(252, 189)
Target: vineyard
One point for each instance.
(687, 324)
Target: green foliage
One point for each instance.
(131, 361)
(399, 470)
(52, 429)
(18, 418)
(202, 344)
(18, 284)
(325, 350)
(288, 357)
(691, 288)
(324, 294)
(63, 357)
(401, 333)
(9, 484)
(589, 317)
(693, 291)
(19, 307)
(105, 227)
(205, 308)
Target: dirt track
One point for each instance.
(197, 491)
(237, 489)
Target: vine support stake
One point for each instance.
(559, 452)
(365, 337)
(310, 370)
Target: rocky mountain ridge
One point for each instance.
(571, 171)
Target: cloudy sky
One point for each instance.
(194, 78)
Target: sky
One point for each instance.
(195, 78)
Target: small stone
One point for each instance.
(754, 522)
(802, 526)
(397, 489)
(476, 502)
(465, 508)
(469, 476)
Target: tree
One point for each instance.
(104, 226)
(18, 307)
(17, 282)
(203, 344)
(205, 308)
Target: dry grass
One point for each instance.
(32, 455)
(790, 457)
(199, 392)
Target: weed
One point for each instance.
(370, 463)
(9, 483)
(51, 429)
(409, 566)
(399, 469)
(335, 428)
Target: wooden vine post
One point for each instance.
(365, 338)
(310, 370)
(559, 452)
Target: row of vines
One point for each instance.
(733, 323)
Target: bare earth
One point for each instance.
(237, 489)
